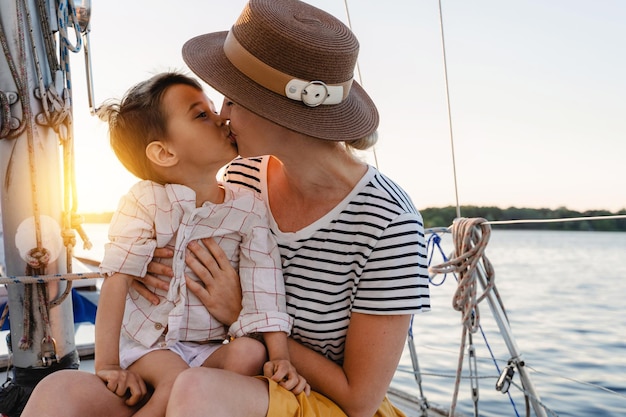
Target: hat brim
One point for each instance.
(354, 118)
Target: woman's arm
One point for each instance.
(220, 291)
(374, 344)
(155, 269)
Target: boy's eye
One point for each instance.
(202, 115)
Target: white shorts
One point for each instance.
(191, 352)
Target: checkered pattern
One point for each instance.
(151, 216)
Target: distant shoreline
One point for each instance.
(104, 217)
(443, 217)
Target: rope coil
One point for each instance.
(470, 238)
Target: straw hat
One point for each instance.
(290, 63)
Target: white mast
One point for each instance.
(35, 130)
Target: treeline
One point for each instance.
(443, 217)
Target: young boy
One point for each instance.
(167, 132)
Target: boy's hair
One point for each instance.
(139, 119)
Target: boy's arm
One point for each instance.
(276, 343)
(279, 367)
(109, 317)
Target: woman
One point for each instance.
(351, 242)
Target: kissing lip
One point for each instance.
(232, 137)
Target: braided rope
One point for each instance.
(42, 298)
(5, 112)
(16, 79)
(35, 56)
(67, 14)
(39, 260)
(470, 240)
(26, 339)
(36, 262)
(48, 36)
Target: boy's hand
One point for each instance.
(283, 372)
(123, 383)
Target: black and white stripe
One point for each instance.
(366, 256)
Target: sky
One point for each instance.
(537, 94)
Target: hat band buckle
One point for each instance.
(311, 93)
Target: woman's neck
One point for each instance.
(305, 188)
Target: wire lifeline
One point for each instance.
(40, 279)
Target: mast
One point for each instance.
(35, 131)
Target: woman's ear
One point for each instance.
(160, 154)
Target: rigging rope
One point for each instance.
(19, 129)
(470, 240)
(56, 114)
(449, 108)
(39, 255)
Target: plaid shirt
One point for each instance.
(152, 215)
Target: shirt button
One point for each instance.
(158, 326)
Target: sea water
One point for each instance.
(563, 293)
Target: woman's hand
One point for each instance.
(221, 292)
(154, 269)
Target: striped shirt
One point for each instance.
(367, 255)
(152, 215)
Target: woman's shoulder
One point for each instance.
(247, 172)
(381, 190)
(240, 165)
(244, 199)
(236, 192)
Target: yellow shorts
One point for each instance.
(284, 404)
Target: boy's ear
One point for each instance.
(160, 155)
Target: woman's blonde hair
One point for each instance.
(363, 143)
